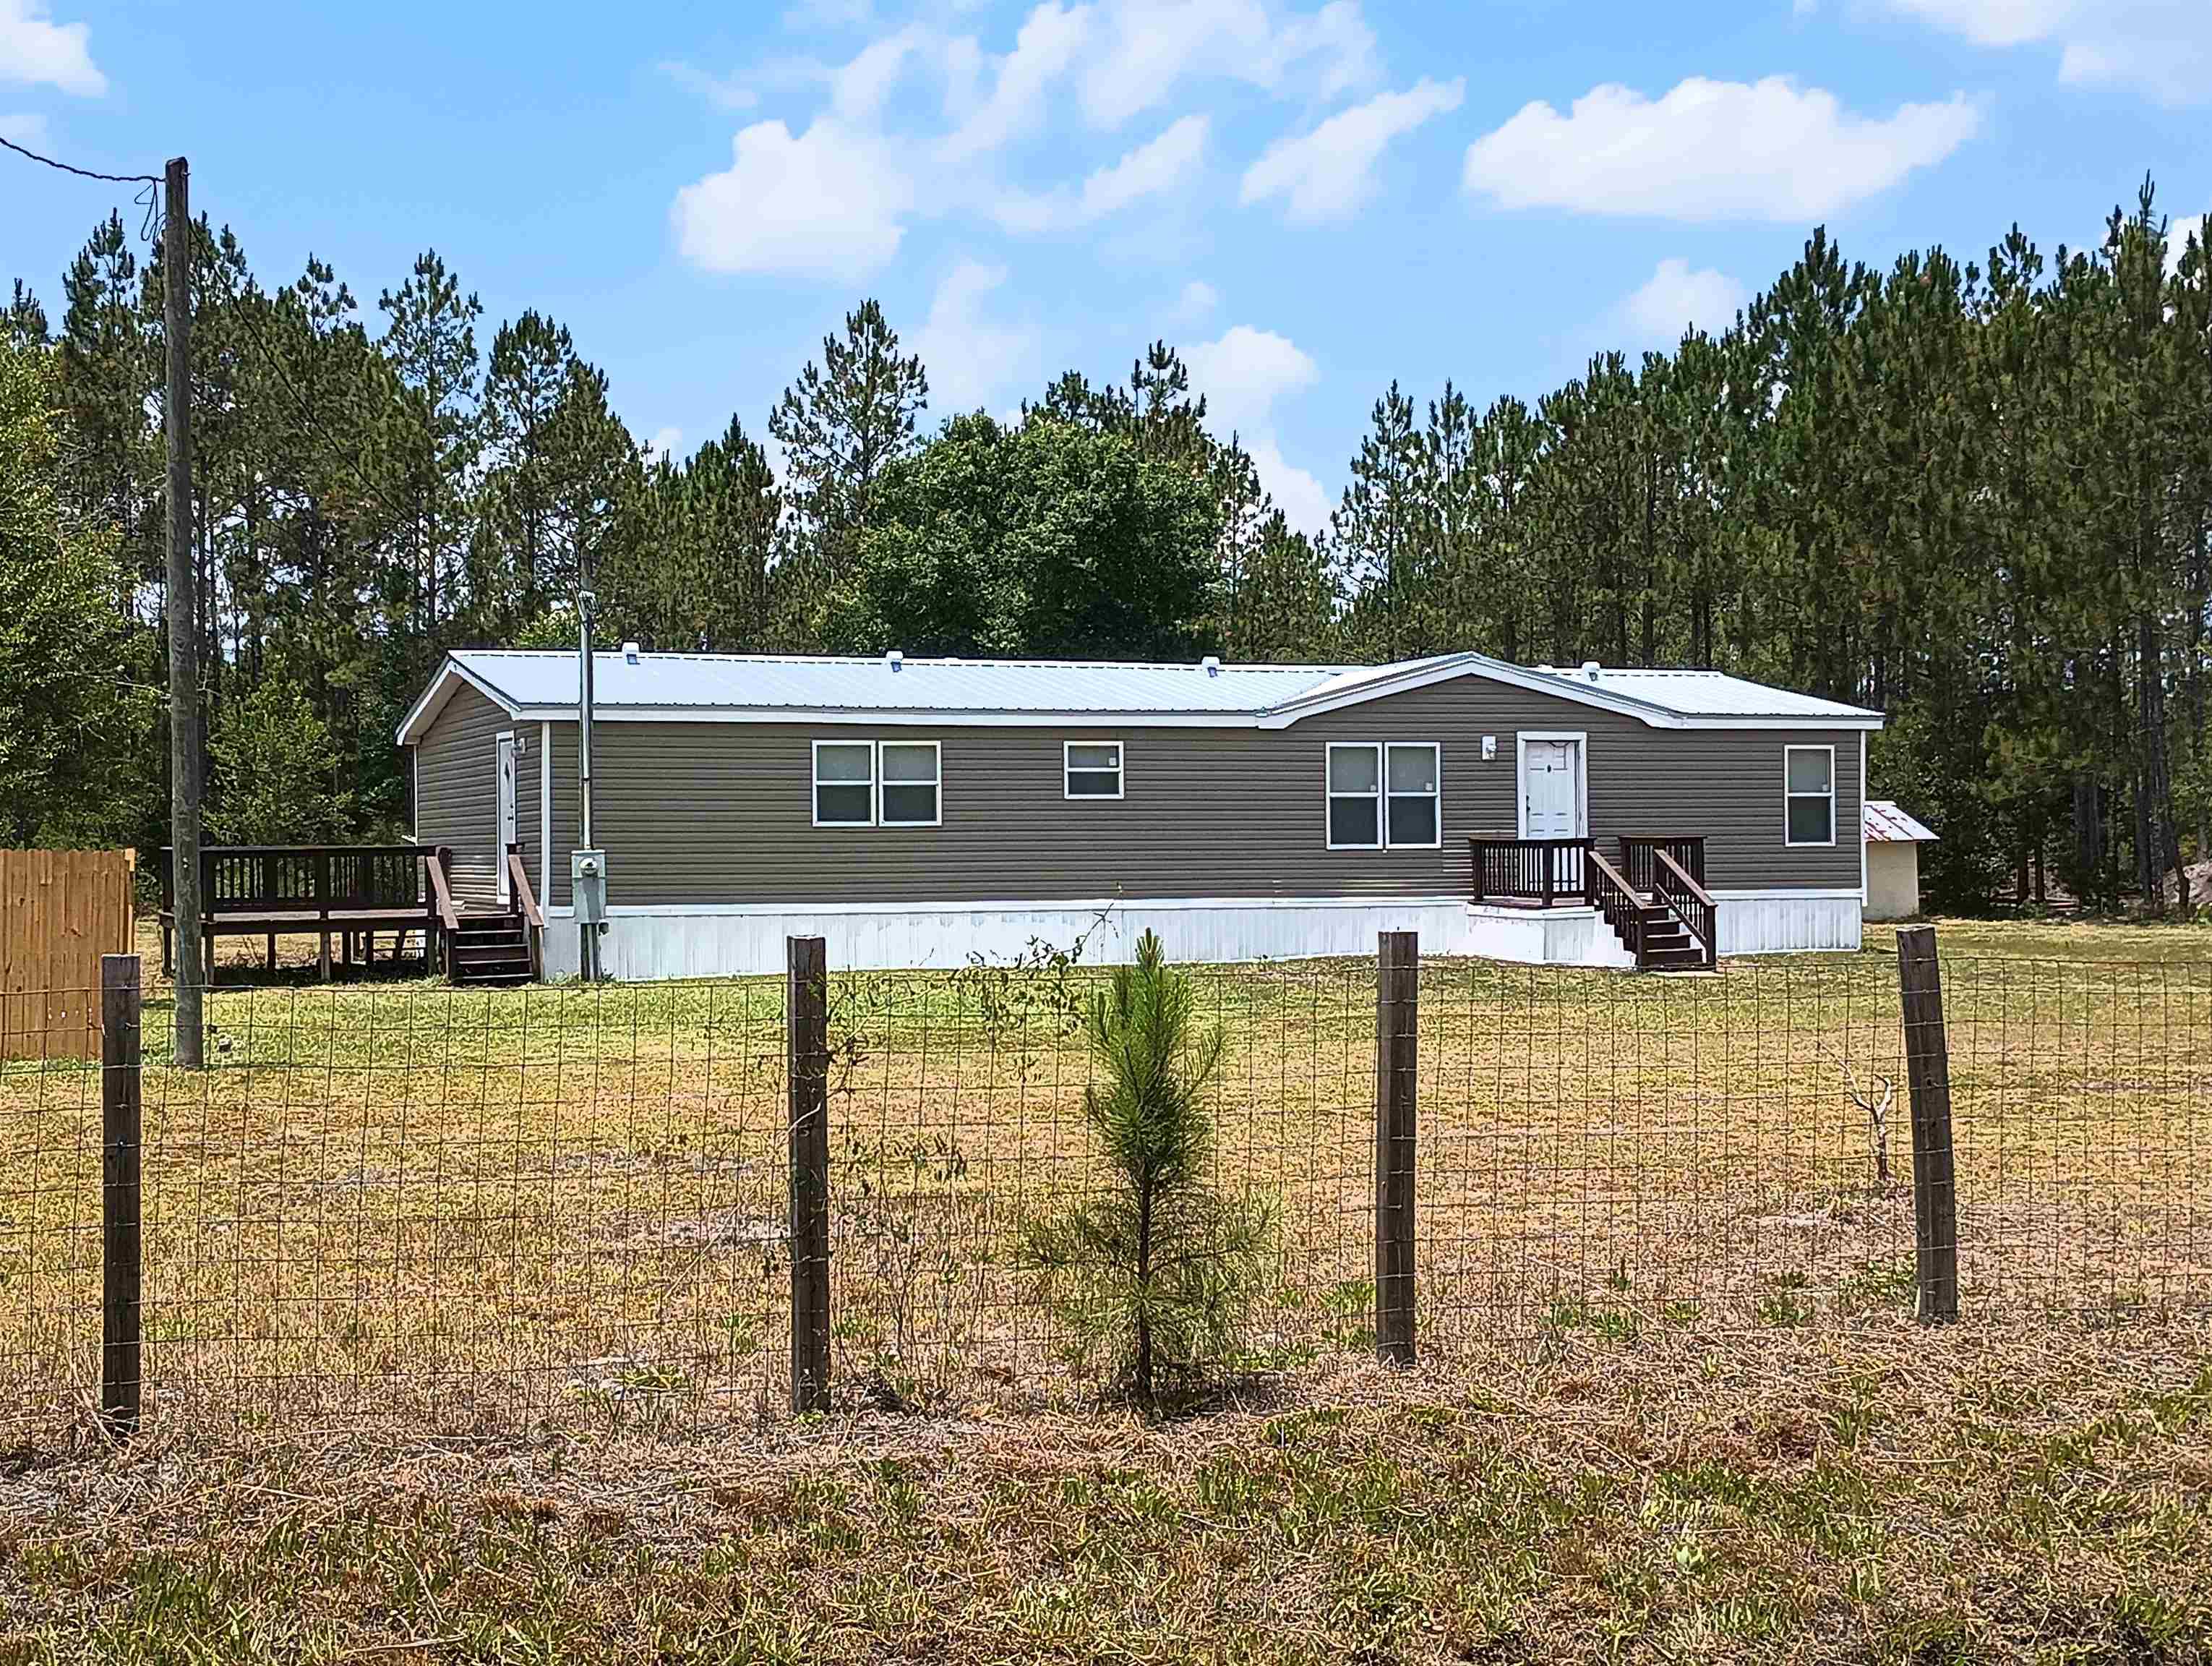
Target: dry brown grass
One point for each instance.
(1873, 1493)
(399, 1206)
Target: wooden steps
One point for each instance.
(489, 951)
(1668, 944)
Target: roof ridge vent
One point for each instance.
(894, 658)
(630, 653)
(1211, 665)
(1591, 669)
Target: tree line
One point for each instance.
(1976, 496)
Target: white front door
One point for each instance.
(507, 834)
(1552, 797)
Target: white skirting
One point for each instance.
(1787, 921)
(641, 945)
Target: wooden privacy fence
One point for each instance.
(60, 911)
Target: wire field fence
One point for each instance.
(466, 1210)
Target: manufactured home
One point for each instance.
(918, 812)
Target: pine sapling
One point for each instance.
(1156, 1274)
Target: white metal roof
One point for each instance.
(541, 685)
(1886, 824)
(1707, 694)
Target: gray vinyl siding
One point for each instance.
(706, 812)
(457, 790)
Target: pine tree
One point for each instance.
(1156, 1274)
(429, 446)
(847, 420)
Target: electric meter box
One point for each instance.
(587, 884)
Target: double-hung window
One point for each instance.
(1809, 794)
(908, 771)
(1091, 768)
(877, 783)
(1411, 780)
(1385, 795)
(1355, 796)
(844, 783)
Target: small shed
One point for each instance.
(1893, 860)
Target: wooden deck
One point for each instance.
(348, 895)
(1655, 900)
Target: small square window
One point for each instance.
(1092, 768)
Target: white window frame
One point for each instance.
(1121, 772)
(1831, 795)
(1581, 738)
(814, 790)
(936, 782)
(1434, 749)
(1330, 795)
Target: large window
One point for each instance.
(1414, 819)
(909, 778)
(1385, 795)
(876, 783)
(844, 783)
(1092, 768)
(1808, 802)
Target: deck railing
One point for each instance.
(1542, 871)
(1622, 907)
(1639, 860)
(308, 878)
(523, 903)
(1690, 903)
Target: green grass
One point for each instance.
(397, 1202)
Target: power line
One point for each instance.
(83, 173)
(149, 198)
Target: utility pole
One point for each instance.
(184, 627)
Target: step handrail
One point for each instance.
(1690, 903)
(1613, 897)
(524, 904)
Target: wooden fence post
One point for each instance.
(121, 1378)
(1928, 1074)
(808, 1040)
(1397, 1046)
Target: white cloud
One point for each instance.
(1152, 168)
(39, 51)
(2177, 234)
(1198, 300)
(1711, 150)
(723, 92)
(663, 444)
(859, 87)
(2163, 46)
(828, 201)
(969, 355)
(1047, 43)
(1147, 46)
(1325, 174)
(1675, 297)
(25, 128)
(1301, 497)
(1244, 375)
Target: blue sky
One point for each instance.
(1310, 197)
